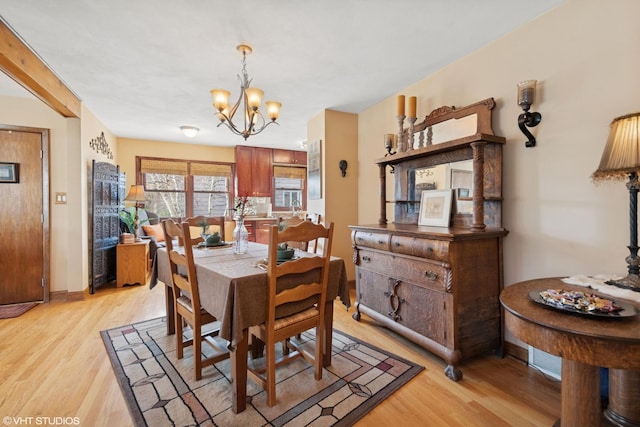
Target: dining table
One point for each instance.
(233, 288)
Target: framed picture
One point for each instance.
(435, 208)
(314, 170)
(9, 172)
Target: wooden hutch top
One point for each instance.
(416, 150)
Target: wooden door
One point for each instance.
(24, 216)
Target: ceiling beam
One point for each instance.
(19, 62)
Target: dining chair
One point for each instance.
(186, 300)
(198, 221)
(296, 297)
(288, 222)
(312, 246)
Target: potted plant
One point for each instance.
(128, 219)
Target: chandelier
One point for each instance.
(250, 97)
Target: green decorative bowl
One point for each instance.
(213, 239)
(284, 254)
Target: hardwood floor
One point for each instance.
(53, 364)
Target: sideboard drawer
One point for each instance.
(424, 248)
(432, 275)
(367, 239)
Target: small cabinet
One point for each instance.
(253, 171)
(133, 263)
(290, 157)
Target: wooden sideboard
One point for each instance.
(438, 286)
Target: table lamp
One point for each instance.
(621, 160)
(136, 194)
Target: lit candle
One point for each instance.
(412, 106)
(401, 105)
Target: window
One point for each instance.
(288, 188)
(182, 188)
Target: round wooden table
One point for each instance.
(585, 343)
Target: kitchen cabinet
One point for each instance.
(253, 171)
(290, 157)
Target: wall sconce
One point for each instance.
(343, 167)
(526, 97)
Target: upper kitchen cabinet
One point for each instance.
(290, 157)
(253, 171)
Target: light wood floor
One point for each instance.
(53, 363)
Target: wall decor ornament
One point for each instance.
(100, 145)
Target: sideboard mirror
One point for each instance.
(452, 148)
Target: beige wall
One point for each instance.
(339, 135)
(128, 149)
(585, 57)
(69, 155)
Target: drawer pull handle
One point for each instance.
(395, 301)
(366, 258)
(431, 275)
(380, 241)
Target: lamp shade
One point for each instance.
(136, 194)
(621, 155)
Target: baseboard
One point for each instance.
(514, 350)
(66, 296)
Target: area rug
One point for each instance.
(160, 390)
(15, 310)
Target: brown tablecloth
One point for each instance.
(233, 288)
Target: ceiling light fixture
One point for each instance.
(189, 131)
(250, 97)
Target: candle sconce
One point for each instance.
(389, 143)
(526, 97)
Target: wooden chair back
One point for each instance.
(296, 298)
(198, 221)
(296, 244)
(181, 259)
(186, 299)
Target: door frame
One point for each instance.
(46, 256)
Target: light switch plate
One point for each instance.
(61, 198)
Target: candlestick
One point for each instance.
(401, 140)
(411, 120)
(412, 106)
(400, 105)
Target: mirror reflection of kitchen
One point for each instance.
(457, 176)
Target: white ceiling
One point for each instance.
(145, 67)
